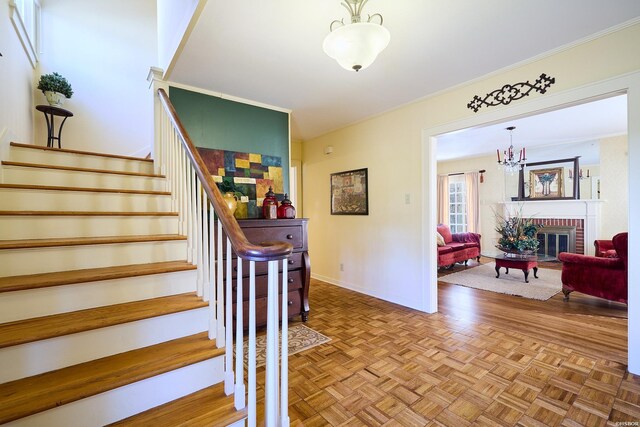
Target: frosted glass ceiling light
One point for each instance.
(355, 46)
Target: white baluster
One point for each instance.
(220, 337)
(199, 239)
(194, 214)
(189, 228)
(271, 386)
(284, 388)
(228, 365)
(183, 192)
(239, 398)
(212, 277)
(251, 350)
(206, 259)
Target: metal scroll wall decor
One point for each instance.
(511, 92)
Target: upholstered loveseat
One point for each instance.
(457, 247)
(603, 276)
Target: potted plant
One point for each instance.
(56, 88)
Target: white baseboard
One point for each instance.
(142, 152)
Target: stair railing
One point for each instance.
(213, 236)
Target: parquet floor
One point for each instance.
(485, 360)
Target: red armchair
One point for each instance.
(458, 247)
(603, 277)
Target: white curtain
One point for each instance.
(443, 199)
(472, 181)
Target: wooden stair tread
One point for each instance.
(72, 168)
(45, 280)
(85, 213)
(40, 328)
(38, 393)
(86, 153)
(207, 407)
(77, 241)
(85, 189)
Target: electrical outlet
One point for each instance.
(341, 267)
(407, 199)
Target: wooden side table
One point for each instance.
(49, 113)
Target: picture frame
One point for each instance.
(350, 192)
(546, 183)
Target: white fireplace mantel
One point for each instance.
(587, 210)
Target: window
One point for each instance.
(457, 205)
(25, 15)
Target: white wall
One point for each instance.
(174, 17)
(614, 186)
(16, 84)
(104, 49)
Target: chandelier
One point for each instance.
(356, 45)
(509, 161)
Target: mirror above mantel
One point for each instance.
(558, 179)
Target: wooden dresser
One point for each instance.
(293, 231)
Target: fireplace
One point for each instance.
(554, 240)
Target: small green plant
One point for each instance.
(54, 82)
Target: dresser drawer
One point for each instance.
(294, 262)
(294, 283)
(294, 302)
(290, 234)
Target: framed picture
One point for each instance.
(546, 183)
(349, 193)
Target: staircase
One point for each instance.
(99, 318)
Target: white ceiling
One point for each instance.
(271, 51)
(558, 134)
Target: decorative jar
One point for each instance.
(270, 205)
(231, 201)
(286, 209)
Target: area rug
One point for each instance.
(301, 338)
(484, 277)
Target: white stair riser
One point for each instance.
(26, 304)
(60, 158)
(45, 227)
(17, 262)
(43, 176)
(123, 402)
(55, 353)
(53, 200)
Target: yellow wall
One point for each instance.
(614, 186)
(382, 252)
(296, 161)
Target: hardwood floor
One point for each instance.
(484, 359)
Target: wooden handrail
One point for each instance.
(267, 251)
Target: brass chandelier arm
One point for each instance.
(373, 16)
(341, 22)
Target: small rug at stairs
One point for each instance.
(301, 338)
(484, 277)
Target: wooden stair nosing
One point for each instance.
(85, 153)
(59, 278)
(79, 241)
(207, 407)
(83, 189)
(57, 325)
(76, 169)
(85, 213)
(28, 396)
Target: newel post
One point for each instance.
(156, 82)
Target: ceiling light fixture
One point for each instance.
(355, 46)
(509, 161)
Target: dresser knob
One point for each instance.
(290, 279)
(234, 288)
(290, 302)
(235, 268)
(290, 262)
(289, 236)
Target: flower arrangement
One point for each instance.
(517, 233)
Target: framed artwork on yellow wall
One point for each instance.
(546, 183)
